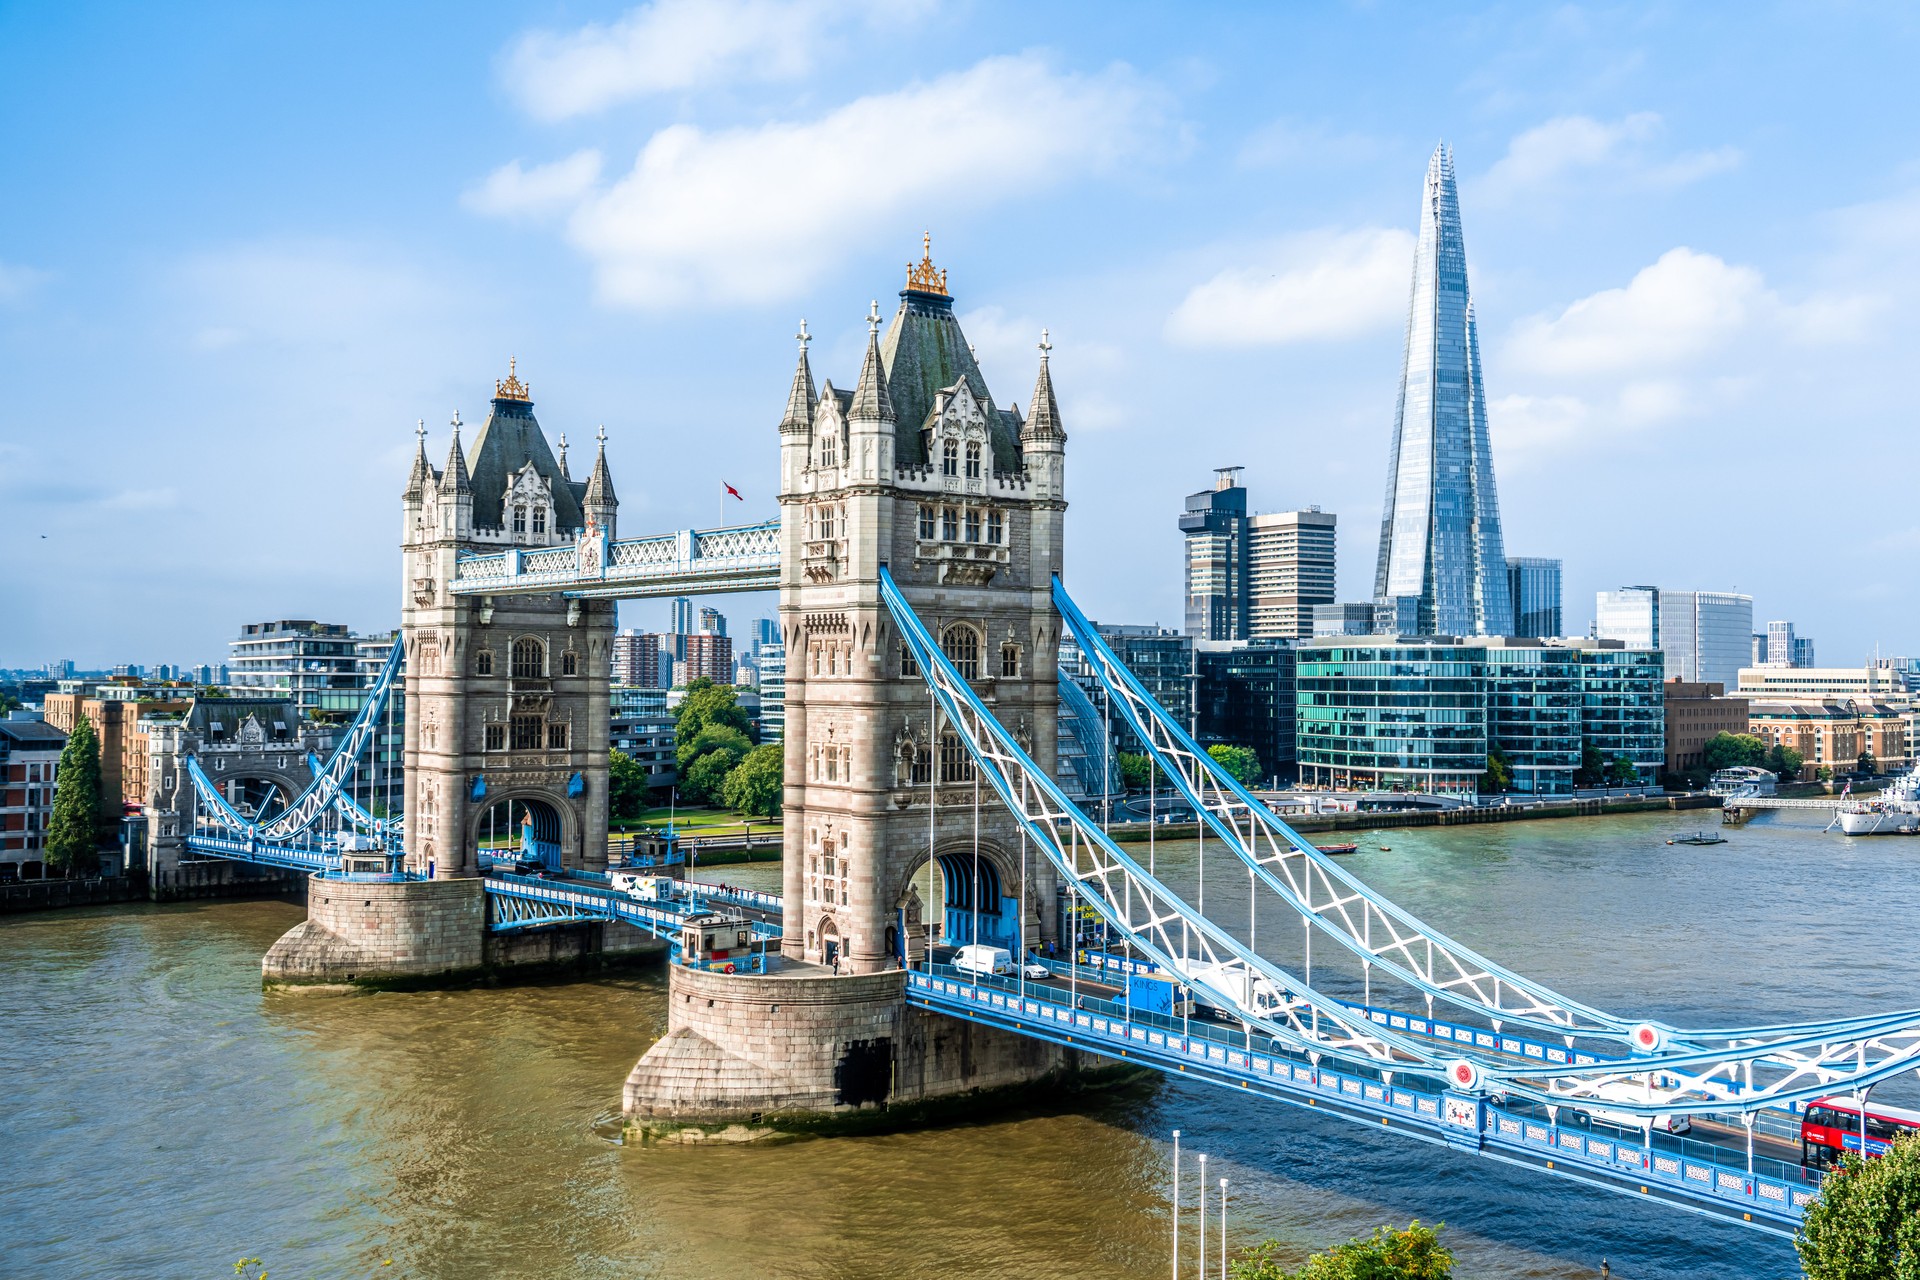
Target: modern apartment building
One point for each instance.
(708, 655)
(123, 746)
(773, 690)
(1290, 571)
(1244, 697)
(296, 659)
(29, 760)
(1785, 649)
(1534, 584)
(636, 659)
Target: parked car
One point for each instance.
(1032, 969)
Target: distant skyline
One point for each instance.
(256, 245)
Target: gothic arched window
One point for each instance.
(569, 663)
(483, 662)
(519, 519)
(1009, 661)
(961, 644)
(950, 459)
(529, 659)
(927, 532)
(973, 462)
(950, 524)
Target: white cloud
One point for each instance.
(1314, 287)
(511, 191)
(758, 213)
(675, 45)
(1006, 349)
(1548, 154)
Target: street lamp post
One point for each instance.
(1176, 1204)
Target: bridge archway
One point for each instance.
(964, 900)
(528, 824)
(259, 794)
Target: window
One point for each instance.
(1009, 660)
(496, 737)
(955, 764)
(922, 766)
(483, 662)
(961, 644)
(519, 519)
(950, 459)
(527, 732)
(569, 663)
(926, 524)
(993, 527)
(529, 659)
(827, 458)
(908, 667)
(556, 737)
(950, 524)
(973, 462)
(973, 526)
(539, 519)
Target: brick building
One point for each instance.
(1696, 713)
(29, 758)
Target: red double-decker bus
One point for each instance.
(1833, 1125)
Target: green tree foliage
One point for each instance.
(1734, 751)
(1593, 766)
(1865, 1224)
(1824, 773)
(1241, 762)
(1786, 762)
(626, 785)
(715, 737)
(71, 838)
(708, 703)
(1866, 763)
(1137, 772)
(1621, 772)
(1413, 1254)
(756, 783)
(1499, 774)
(706, 780)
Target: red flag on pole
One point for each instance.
(730, 489)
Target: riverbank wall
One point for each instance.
(1367, 820)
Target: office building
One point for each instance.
(1290, 572)
(1214, 525)
(1833, 732)
(639, 724)
(1630, 615)
(682, 609)
(1343, 619)
(773, 690)
(1422, 713)
(1161, 658)
(1874, 681)
(295, 659)
(1244, 697)
(1440, 540)
(1533, 584)
(29, 760)
(636, 659)
(712, 621)
(708, 655)
(1698, 712)
(1705, 634)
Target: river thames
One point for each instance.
(165, 1117)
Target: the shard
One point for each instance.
(1442, 565)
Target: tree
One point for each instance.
(1824, 773)
(708, 703)
(1413, 1254)
(1135, 770)
(71, 838)
(712, 738)
(1621, 772)
(1593, 766)
(756, 783)
(1865, 1224)
(1733, 751)
(1241, 762)
(1866, 763)
(626, 785)
(1784, 761)
(1499, 774)
(702, 783)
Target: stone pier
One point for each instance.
(801, 1050)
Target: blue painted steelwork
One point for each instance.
(1692, 1176)
(689, 562)
(293, 857)
(524, 902)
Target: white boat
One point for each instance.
(1894, 812)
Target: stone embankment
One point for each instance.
(1369, 820)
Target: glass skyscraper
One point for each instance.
(1440, 538)
(1534, 584)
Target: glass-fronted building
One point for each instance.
(1408, 714)
(1214, 526)
(1706, 635)
(1623, 706)
(1630, 615)
(1534, 584)
(1245, 698)
(1533, 714)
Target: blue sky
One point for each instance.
(243, 248)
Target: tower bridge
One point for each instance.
(919, 557)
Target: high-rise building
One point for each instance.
(1780, 644)
(636, 659)
(1244, 698)
(1351, 619)
(712, 621)
(1215, 526)
(773, 689)
(682, 616)
(1803, 651)
(1440, 542)
(297, 659)
(708, 655)
(1290, 572)
(1705, 635)
(1534, 585)
(1630, 615)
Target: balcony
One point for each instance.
(965, 564)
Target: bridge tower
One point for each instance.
(916, 469)
(507, 698)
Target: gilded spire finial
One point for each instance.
(511, 388)
(924, 277)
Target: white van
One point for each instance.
(1624, 1091)
(641, 888)
(996, 962)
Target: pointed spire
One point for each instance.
(600, 483)
(455, 477)
(417, 480)
(565, 474)
(801, 399)
(1043, 416)
(871, 402)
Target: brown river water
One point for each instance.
(165, 1117)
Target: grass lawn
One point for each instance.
(699, 821)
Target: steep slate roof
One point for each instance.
(923, 352)
(509, 440)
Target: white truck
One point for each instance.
(641, 887)
(1240, 987)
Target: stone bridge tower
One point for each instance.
(919, 470)
(507, 698)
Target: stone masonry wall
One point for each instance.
(371, 932)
